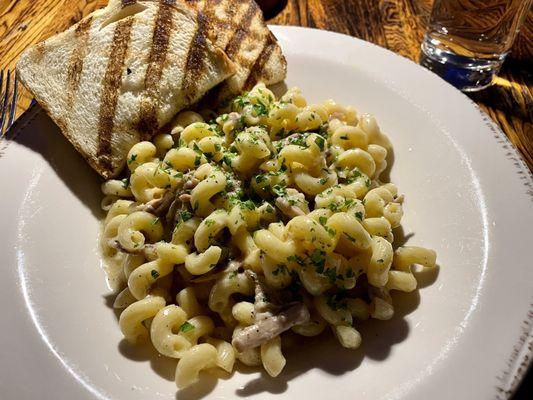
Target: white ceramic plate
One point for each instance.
(469, 196)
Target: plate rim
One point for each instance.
(513, 374)
(520, 361)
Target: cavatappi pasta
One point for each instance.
(226, 235)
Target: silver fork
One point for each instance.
(8, 100)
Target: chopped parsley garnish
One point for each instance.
(260, 109)
(125, 183)
(186, 327)
(260, 178)
(228, 159)
(197, 160)
(359, 215)
(242, 100)
(185, 216)
(155, 221)
(298, 141)
(279, 190)
(336, 301)
(282, 269)
(318, 260)
(154, 274)
(296, 259)
(196, 148)
(132, 158)
(229, 185)
(322, 220)
(331, 274)
(317, 256)
(209, 222)
(248, 204)
(324, 180)
(334, 207)
(320, 142)
(168, 165)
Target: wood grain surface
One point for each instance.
(398, 25)
(394, 24)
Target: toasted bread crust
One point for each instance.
(156, 62)
(63, 127)
(257, 71)
(110, 92)
(239, 28)
(75, 65)
(82, 77)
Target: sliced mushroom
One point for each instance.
(191, 183)
(270, 327)
(270, 319)
(148, 250)
(263, 305)
(285, 207)
(185, 198)
(158, 206)
(293, 204)
(172, 211)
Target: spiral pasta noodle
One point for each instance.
(270, 218)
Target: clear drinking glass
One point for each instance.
(467, 40)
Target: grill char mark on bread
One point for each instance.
(233, 46)
(77, 57)
(94, 99)
(110, 91)
(148, 123)
(259, 65)
(195, 58)
(239, 28)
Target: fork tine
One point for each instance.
(13, 107)
(1, 81)
(1, 93)
(4, 105)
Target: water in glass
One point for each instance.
(467, 40)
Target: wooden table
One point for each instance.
(394, 24)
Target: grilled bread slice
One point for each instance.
(238, 27)
(121, 73)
